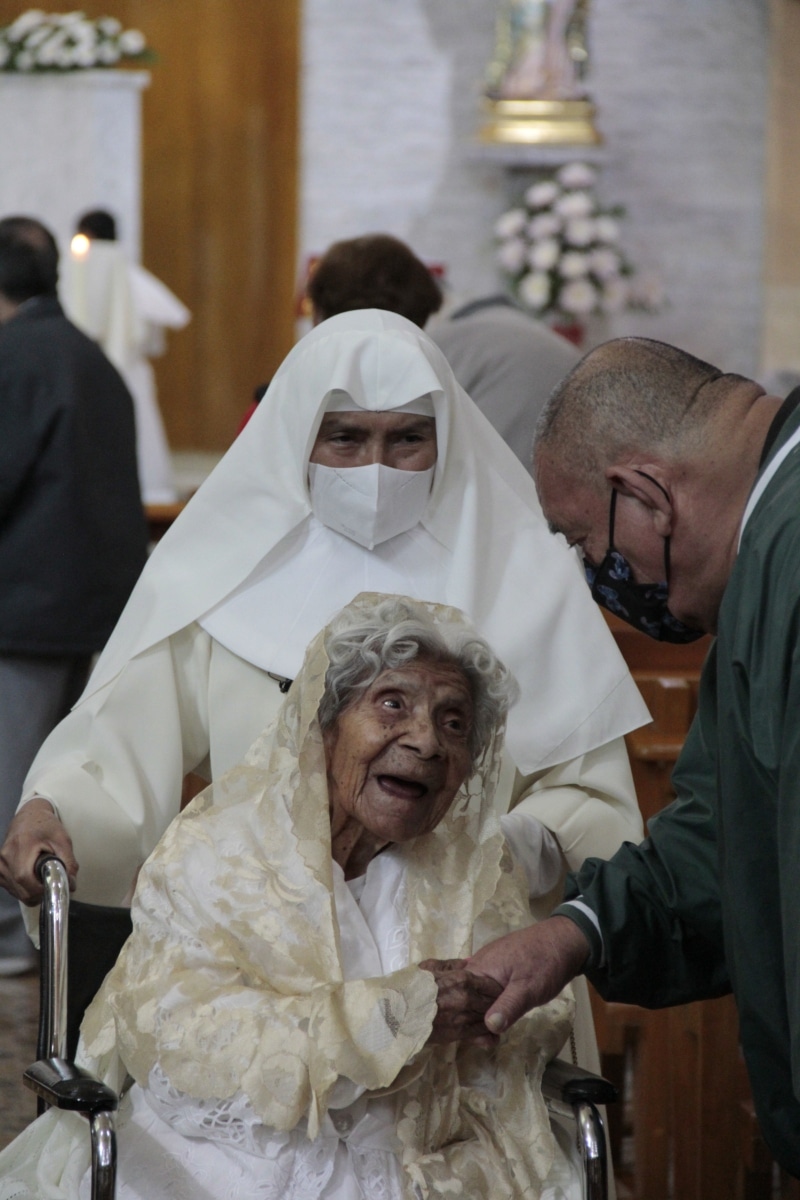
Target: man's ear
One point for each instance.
(653, 493)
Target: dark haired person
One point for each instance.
(72, 531)
(99, 224)
(373, 271)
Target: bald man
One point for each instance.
(680, 485)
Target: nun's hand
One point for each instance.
(35, 830)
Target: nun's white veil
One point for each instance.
(248, 559)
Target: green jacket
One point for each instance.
(710, 902)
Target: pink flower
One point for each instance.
(544, 255)
(544, 225)
(580, 232)
(542, 194)
(578, 298)
(511, 223)
(534, 290)
(575, 204)
(511, 255)
(574, 265)
(576, 175)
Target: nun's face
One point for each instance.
(405, 441)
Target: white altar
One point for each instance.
(70, 141)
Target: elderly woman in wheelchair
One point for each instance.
(294, 1004)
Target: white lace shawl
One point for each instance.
(233, 982)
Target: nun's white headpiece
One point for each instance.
(482, 546)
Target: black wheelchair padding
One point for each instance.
(96, 936)
(576, 1085)
(69, 1087)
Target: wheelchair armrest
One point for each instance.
(63, 1085)
(569, 1084)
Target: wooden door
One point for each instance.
(220, 152)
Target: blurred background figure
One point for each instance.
(72, 530)
(373, 271)
(507, 362)
(127, 310)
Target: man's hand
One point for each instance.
(461, 1003)
(34, 831)
(531, 966)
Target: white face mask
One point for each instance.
(369, 504)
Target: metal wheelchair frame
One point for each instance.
(569, 1091)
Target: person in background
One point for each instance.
(506, 361)
(126, 309)
(72, 531)
(373, 271)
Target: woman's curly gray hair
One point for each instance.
(362, 644)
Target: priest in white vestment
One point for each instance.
(126, 309)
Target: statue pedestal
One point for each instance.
(540, 123)
(71, 141)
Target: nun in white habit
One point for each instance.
(271, 546)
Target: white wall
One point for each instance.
(70, 142)
(391, 105)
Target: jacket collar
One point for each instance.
(37, 307)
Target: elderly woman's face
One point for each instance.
(398, 754)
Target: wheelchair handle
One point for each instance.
(53, 923)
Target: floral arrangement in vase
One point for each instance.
(561, 252)
(38, 41)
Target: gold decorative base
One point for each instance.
(540, 123)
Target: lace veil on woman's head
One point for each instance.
(243, 882)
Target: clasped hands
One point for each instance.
(481, 996)
(463, 999)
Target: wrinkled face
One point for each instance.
(399, 753)
(405, 441)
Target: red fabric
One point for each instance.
(247, 417)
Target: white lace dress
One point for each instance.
(172, 1147)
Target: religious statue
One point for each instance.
(535, 84)
(540, 51)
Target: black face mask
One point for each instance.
(643, 605)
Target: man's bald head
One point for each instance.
(631, 396)
(677, 443)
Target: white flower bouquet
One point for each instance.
(561, 251)
(38, 41)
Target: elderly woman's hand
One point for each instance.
(462, 1002)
